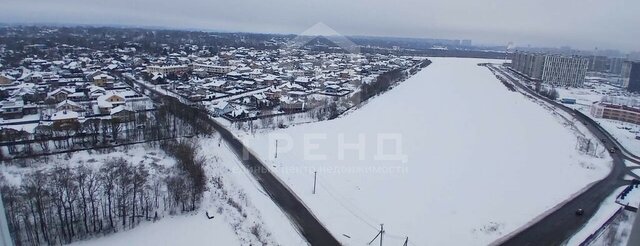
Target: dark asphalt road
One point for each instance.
(559, 225)
(307, 223)
(314, 232)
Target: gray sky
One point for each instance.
(585, 24)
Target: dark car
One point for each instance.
(579, 212)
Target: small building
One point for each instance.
(273, 93)
(220, 108)
(103, 80)
(95, 92)
(64, 117)
(122, 114)
(60, 94)
(216, 84)
(108, 102)
(12, 108)
(69, 105)
(304, 81)
(6, 80)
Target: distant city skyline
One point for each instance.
(547, 23)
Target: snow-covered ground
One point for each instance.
(448, 157)
(175, 230)
(590, 93)
(233, 224)
(243, 214)
(240, 185)
(624, 132)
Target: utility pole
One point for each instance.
(315, 174)
(379, 234)
(276, 149)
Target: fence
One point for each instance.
(587, 241)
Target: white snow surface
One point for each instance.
(231, 225)
(624, 132)
(174, 230)
(481, 161)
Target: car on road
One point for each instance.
(579, 212)
(612, 150)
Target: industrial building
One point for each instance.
(616, 112)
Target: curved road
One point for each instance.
(304, 220)
(310, 227)
(559, 225)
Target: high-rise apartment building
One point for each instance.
(557, 70)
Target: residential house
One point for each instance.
(103, 80)
(95, 92)
(64, 117)
(12, 108)
(69, 105)
(273, 93)
(109, 101)
(6, 80)
(122, 114)
(60, 94)
(221, 108)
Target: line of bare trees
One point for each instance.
(63, 204)
(93, 132)
(60, 205)
(187, 183)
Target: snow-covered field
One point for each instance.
(448, 157)
(590, 93)
(231, 225)
(243, 214)
(624, 132)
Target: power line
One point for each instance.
(338, 196)
(345, 204)
(346, 207)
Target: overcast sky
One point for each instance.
(585, 24)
